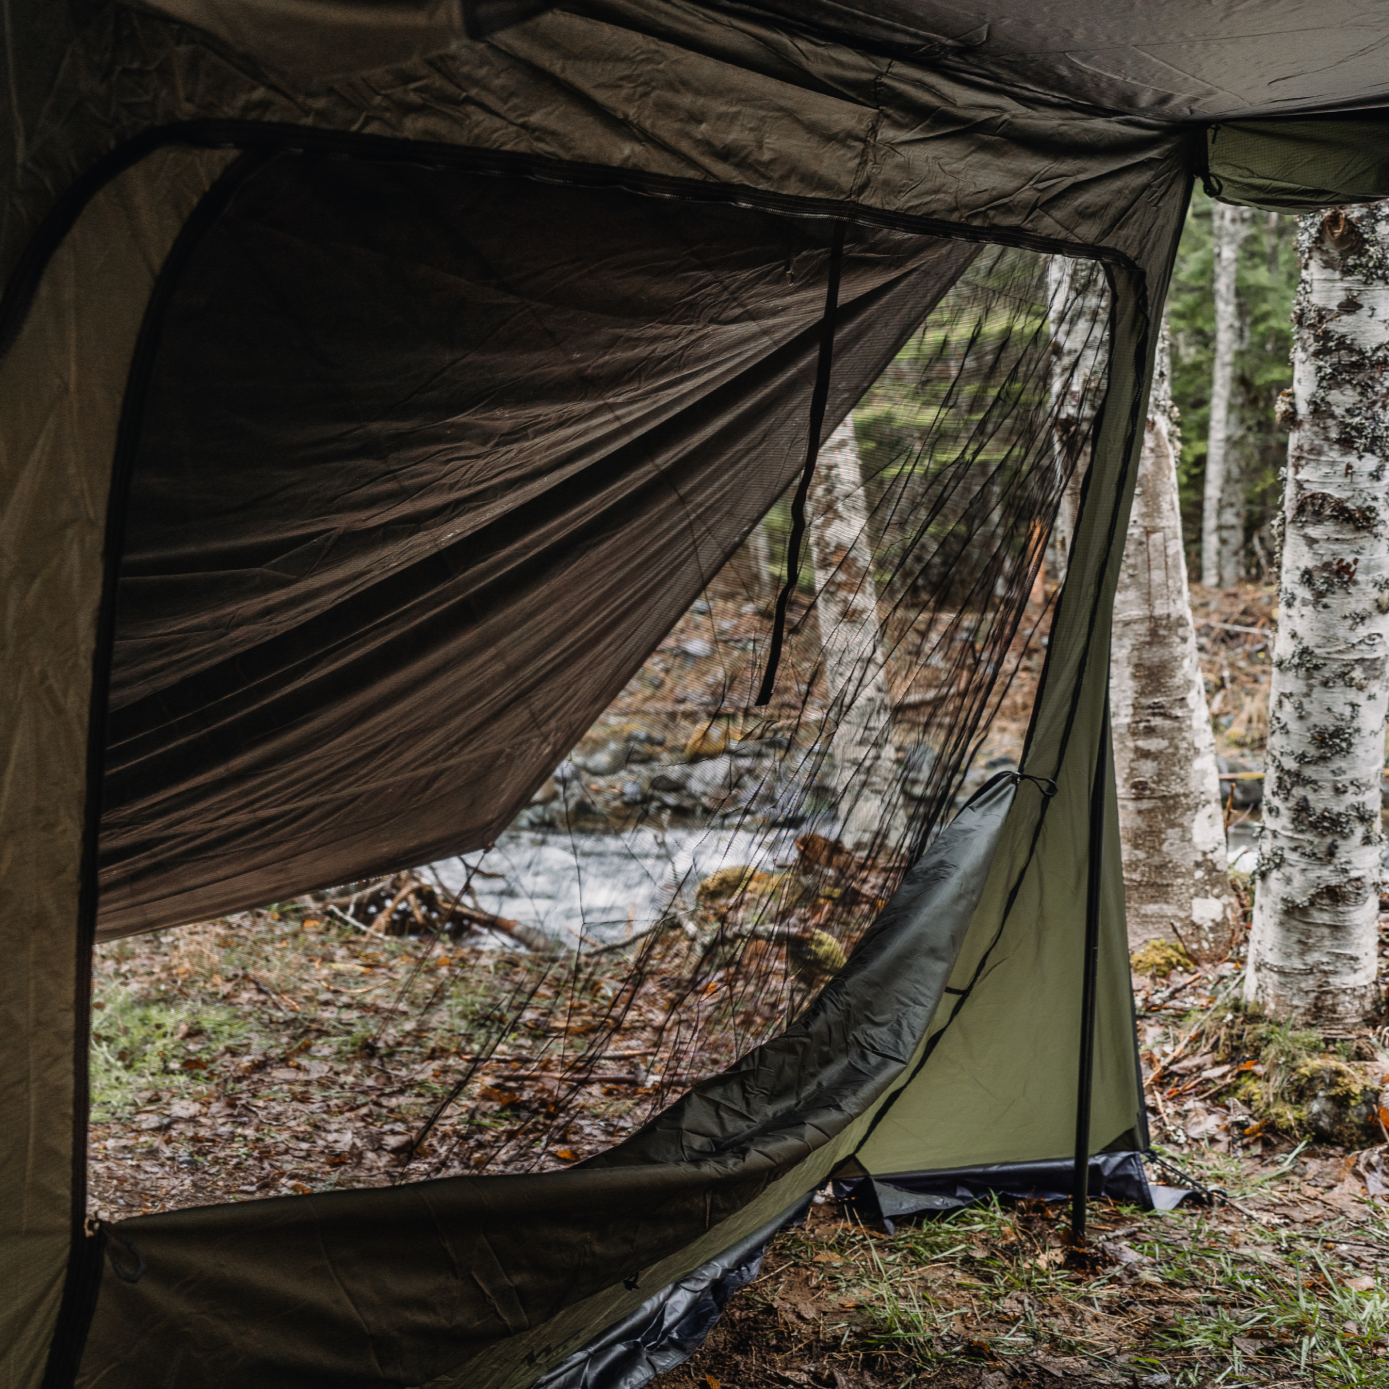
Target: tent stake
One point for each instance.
(1081, 1177)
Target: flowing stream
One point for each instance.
(601, 887)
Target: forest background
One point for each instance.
(1266, 281)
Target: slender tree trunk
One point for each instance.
(1231, 528)
(872, 812)
(747, 577)
(1219, 546)
(1176, 876)
(1076, 294)
(1312, 952)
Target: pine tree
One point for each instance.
(1312, 952)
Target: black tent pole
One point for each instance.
(1081, 1175)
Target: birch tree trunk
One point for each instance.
(871, 808)
(1176, 875)
(1312, 952)
(1219, 547)
(747, 577)
(1077, 294)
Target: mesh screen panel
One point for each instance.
(698, 865)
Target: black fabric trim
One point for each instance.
(277, 137)
(84, 1261)
(898, 1195)
(669, 1327)
(818, 401)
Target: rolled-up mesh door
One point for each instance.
(403, 585)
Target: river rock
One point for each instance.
(628, 746)
(715, 780)
(709, 741)
(759, 747)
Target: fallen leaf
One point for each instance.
(828, 1256)
(566, 1155)
(1371, 1169)
(1363, 1283)
(1204, 1125)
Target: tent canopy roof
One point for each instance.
(1185, 60)
(1188, 60)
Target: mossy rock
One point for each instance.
(1159, 958)
(1299, 1088)
(738, 881)
(817, 956)
(1340, 1102)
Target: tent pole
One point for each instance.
(1081, 1176)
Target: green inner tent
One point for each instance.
(381, 383)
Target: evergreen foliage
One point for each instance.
(1266, 284)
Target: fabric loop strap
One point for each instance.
(818, 401)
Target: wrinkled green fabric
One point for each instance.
(1296, 166)
(62, 385)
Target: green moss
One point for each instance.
(1159, 958)
(1296, 1083)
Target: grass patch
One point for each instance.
(1289, 1081)
(1203, 1298)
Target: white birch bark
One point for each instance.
(1312, 951)
(1176, 876)
(1077, 295)
(871, 809)
(1219, 518)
